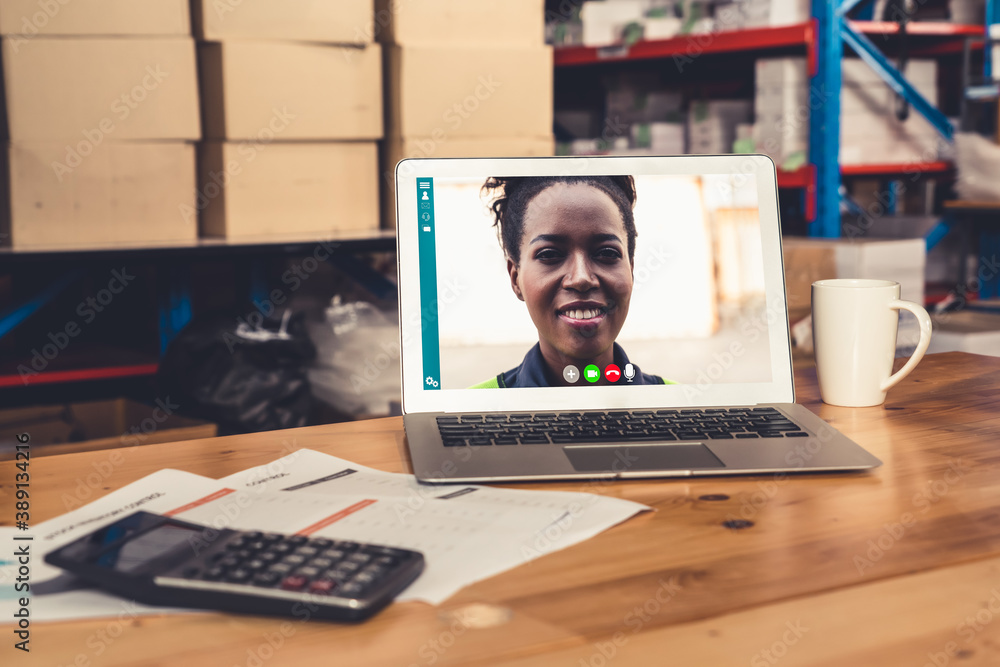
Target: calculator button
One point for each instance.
(321, 543)
(296, 540)
(363, 578)
(308, 571)
(257, 546)
(293, 583)
(359, 557)
(213, 573)
(282, 547)
(334, 554)
(347, 546)
(253, 535)
(271, 537)
(280, 568)
(375, 571)
(322, 586)
(268, 556)
(351, 589)
(307, 551)
(235, 544)
(321, 562)
(238, 576)
(387, 561)
(266, 579)
(244, 553)
(256, 564)
(348, 566)
(229, 561)
(294, 559)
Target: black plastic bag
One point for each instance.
(244, 379)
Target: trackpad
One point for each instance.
(624, 458)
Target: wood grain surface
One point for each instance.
(898, 566)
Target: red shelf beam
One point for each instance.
(905, 168)
(690, 46)
(79, 375)
(758, 39)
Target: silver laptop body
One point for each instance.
(682, 369)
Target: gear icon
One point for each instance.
(431, 382)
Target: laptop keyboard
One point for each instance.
(543, 428)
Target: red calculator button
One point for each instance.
(322, 587)
(293, 583)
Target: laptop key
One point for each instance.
(505, 440)
(747, 435)
(720, 436)
(534, 440)
(796, 434)
(479, 442)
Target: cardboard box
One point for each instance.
(287, 189)
(290, 91)
(472, 93)
(90, 90)
(27, 19)
(395, 149)
(511, 23)
(966, 331)
(330, 22)
(121, 193)
(95, 425)
(808, 260)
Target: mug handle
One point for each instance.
(925, 339)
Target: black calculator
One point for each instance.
(162, 561)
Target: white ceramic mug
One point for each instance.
(854, 335)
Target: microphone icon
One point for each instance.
(629, 372)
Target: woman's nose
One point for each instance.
(580, 275)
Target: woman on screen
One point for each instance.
(570, 244)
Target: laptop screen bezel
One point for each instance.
(759, 168)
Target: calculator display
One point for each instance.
(135, 553)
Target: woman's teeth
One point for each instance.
(583, 314)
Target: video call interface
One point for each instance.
(622, 280)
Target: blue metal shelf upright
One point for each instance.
(833, 32)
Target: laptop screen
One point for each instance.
(650, 284)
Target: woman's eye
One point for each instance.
(609, 253)
(547, 254)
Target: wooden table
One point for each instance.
(897, 566)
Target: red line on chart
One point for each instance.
(333, 518)
(201, 501)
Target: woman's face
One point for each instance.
(575, 275)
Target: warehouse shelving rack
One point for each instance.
(173, 293)
(823, 40)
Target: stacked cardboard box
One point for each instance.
(101, 110)
(292, 104)
(869, 129)
(463, 79)
(712, 125)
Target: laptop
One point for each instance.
(599, 318)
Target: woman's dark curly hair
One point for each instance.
(511, 195)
